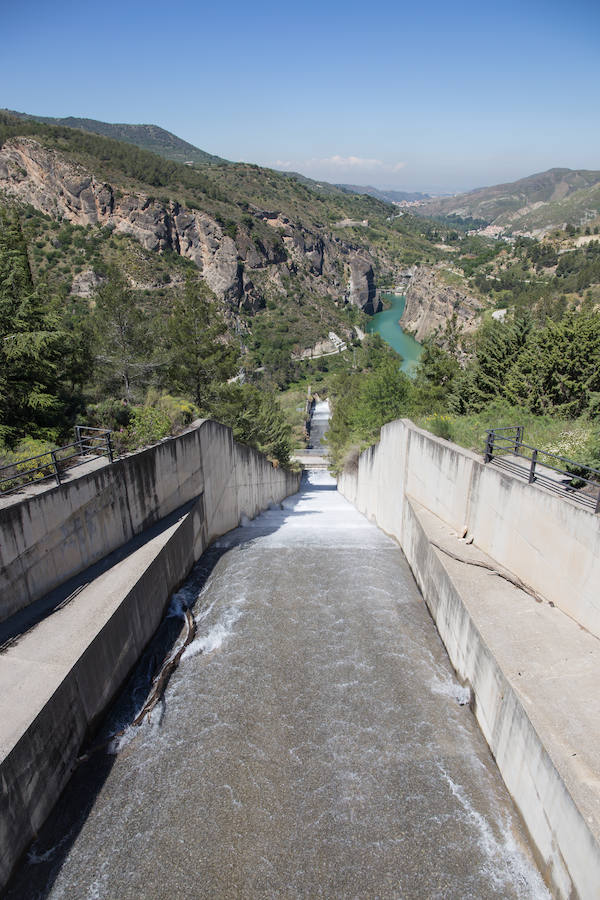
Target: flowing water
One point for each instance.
(319, 425)
(313, 742)
(387, 324)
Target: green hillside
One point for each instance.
(546, 200)
(105, 319)
(148, 137)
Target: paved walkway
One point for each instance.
(313, 742)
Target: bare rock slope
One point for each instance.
(430, 303)
(237, 270)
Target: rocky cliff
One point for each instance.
(362, 291)
(430, 303)
(239, 269)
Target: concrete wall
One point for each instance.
(97, 648)
(550, 542)
(567, 850)
(554, 546)
(47, 538)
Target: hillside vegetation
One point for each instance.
(97, 326)
(536, 203)
(147, 137)
(137, 293)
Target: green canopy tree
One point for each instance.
(382, 397)
(200, 357)
(558, 371)
(255, 417)
(123, 338)
(33, 344)
(496, 346)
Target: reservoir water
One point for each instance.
(386, 324)
(313, 743)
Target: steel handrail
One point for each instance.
(499, 445)
(53, 460)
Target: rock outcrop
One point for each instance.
(237, 270)
(362, 291)
(430, 303)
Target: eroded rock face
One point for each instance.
(56, 186)
(362, 291)
(235, 270)
(430, 303)
(85, 284)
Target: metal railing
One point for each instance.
(574, 480)
(52, 464)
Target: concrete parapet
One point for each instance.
(53, 535)
(531, 669)
(550, 542)
(59, 678)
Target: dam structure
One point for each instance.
(317, 738)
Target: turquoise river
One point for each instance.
(386, 324)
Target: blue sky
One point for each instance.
(420, 96)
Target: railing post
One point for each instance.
(109, 447)
(55, 466)
(597, 510)
(519, 440)
(489, 447)
(532, 467)
(78, 439)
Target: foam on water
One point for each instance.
(311, 743)
(503, 860)
(449, 687)
(216, 634)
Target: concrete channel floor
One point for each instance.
(313, 742)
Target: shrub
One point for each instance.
(25, 449)
(441, 426)
(112, 414)
(180, 410)
(149, 424)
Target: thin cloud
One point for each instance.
(337, 161)
(350, 162)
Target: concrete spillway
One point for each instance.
(312, 742)
(319, 425)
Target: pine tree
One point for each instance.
(32, 344)
(200, 357)
(558, 371)
(123, 338)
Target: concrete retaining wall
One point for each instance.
(56, 689)
(47, 538)
(550, 542)
(552, 545)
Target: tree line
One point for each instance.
(551, 370)
(118, 362)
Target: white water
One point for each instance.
(312, 742)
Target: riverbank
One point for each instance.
(387, 325)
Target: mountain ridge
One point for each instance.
(147, 136)
(537, 202)
(391, 196)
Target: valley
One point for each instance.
(270, 265)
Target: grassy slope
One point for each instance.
(147, 137)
